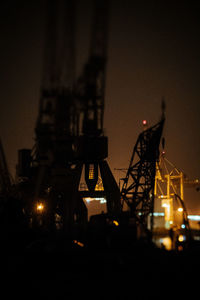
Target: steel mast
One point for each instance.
(138, 185)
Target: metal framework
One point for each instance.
(138, 185)
(69, 130)
(169, 190)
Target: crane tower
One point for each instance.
(69, 129)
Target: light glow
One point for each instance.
(180, 209)
(115, 223)
(91, 171)
(159, 214)
(89, 199)
(144, 122)
(166, 242)
(40, 207)
(181, 238)
(194, 217)
(78, 243)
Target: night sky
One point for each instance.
(154, 51)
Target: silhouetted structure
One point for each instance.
(69, 130)
(138, 185)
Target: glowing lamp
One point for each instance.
(40, 207)
(144, 122)
(181, 238)
(115, 223)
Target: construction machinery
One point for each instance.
(70, 145)
(137, 191)
(69, 131)
(170, 183)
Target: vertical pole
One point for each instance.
(168, 186)
(181, 186)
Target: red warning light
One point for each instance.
(144, 122)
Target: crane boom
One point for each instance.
(49, 66)
(138, 186)
(91, 84)
(56, 119)
(59, 52)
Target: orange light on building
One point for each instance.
(78, 243)
(40, 207)
(115, 223)
(181, 238)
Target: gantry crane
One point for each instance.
(69, 129)
(169, 190)
(91, 93)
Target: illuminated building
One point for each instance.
(169, 191)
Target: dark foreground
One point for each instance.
(59, 269)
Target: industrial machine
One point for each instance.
(137, 191)
(69, 132)
(70, 143)
(170, 183)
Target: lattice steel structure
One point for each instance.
(138, 185)
(69, 130)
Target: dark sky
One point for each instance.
(154, 51)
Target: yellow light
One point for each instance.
(91, 171)
(180, 209)
(40, 207)
(181, 238)
(167, 242)
(115, 223)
